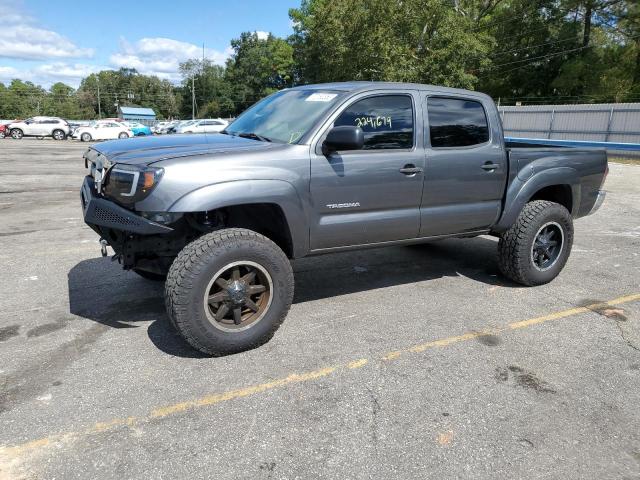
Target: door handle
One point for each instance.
(490, 166)
(410, 169)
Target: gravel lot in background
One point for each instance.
(404, 362)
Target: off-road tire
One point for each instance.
(197, 264)
(154, 277)
(515, 245)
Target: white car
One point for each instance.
(40, 127)
(182, 125)
(170, 127)
(159, 127)
(103, 130)
(207, 125)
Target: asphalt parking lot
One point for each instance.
(405, 362)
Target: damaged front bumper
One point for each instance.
(137, 242)
(103, 215)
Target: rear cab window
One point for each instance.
(386, 120)
(456, 122)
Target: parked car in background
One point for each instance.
(170, 127)
(40, 127)
(206, 125)
(4, 131)
(158, 127)
(178, 124)
(138, 128)
(103, 130)
(184, 124)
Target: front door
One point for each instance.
(465, 167)
(370, 195)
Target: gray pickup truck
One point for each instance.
(325, 168)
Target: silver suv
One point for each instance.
(40, 127)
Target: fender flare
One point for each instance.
(239, 192)
(521, 191)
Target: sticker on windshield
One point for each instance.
(321, 97)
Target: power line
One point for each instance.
(503, 52)
(541, 57)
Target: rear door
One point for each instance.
(370, 195)
(465, 166)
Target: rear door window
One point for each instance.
(456, 122)
(386, 120)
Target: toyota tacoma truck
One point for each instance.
(326, 168)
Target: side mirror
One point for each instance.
(346, 137)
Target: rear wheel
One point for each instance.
(17, 133)
(536, 248)
(59, 135)
(85, 137)
(229, 291)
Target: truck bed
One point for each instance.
(587, 167)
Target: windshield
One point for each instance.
(284, 116)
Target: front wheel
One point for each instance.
(85, 137)
(229, 291)
(59, 135)
(537, 246)
(123, 135)
(16, 134)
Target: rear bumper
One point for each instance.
(599, 200)
(100, 213)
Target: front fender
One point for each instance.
(226, 194)
(520, 192)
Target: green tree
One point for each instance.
(426, 41)
(258, 67)
(212, 92)
(127, 87)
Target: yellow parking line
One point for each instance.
(12, 452)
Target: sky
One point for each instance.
(44, 43)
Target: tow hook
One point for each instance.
(103, 247)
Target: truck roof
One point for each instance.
(357, 86)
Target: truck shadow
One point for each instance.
(99, 290)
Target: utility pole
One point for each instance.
(99, 107)
(193, 96)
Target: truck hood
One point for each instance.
(147, 150)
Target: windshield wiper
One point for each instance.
(255, 136)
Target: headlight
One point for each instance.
(128, 184)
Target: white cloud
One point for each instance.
(49, 73)
(162, 56)
(7, 73)
(21, 38)
(262, 35)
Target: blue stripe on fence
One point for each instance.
(633, 147)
